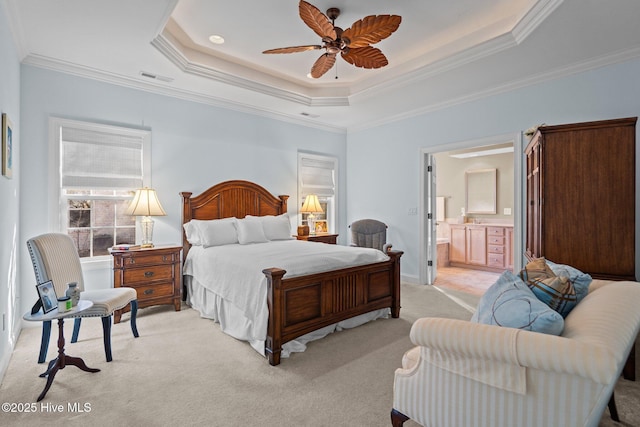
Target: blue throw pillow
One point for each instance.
(510, 303)
(580, 280)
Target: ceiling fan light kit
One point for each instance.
(353, 44)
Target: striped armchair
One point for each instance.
(464, 373)
(54, 257)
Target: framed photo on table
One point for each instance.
(321, 226)
(7, 146)
(48, 297)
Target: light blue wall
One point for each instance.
(393, 150)
(193, 147)
(9, 196)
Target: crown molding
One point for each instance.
(591, 64)
(180, 59)
(115, 79)
(534, 17)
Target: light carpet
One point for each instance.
(184, 371)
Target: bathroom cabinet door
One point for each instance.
(477, 245)
(458, 244)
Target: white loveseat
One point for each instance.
(463, 373)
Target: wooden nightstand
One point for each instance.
(154, 273)
(320, 237)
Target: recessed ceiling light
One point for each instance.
(216, 39)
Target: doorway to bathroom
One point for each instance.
(445, 201)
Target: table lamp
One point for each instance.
(311, 206)
(145, 203)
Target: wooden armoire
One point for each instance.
(581, 197)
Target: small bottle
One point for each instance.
(462, 218)
(73, 292)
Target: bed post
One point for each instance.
(273, 343)
(395, 303)
(186, 217)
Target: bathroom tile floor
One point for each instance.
(475, 282)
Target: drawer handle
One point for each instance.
(148, 291)
(132, 261)
(148, 274)
(164, 257)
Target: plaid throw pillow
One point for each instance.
(557, 292)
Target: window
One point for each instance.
(99, 167)
(318, 175)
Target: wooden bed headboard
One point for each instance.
(229, 199)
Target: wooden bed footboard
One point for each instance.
(303, 304)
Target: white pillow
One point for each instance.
(191, 231)
(250, 231)
(275, 227)
(217, 232)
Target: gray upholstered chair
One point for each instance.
(55, 257)
(369, 233)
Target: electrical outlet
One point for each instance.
(413, 211)
(507, 211)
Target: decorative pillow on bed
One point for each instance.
(557, 292)
(580, 280)
(275, 227)
(250, 231)
(191, 231)
(510, 303)
(217, 232)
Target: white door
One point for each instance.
(431, 215)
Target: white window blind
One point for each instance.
(105, 158)
(317, 176)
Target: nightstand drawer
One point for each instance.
(142, 259)
(147, 292)
(145, 275)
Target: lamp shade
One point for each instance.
(145, 203)
(311, 205)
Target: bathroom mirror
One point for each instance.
(480, 187)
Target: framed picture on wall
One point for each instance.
(7, 146)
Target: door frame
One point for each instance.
(518, 200)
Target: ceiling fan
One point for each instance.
(353, 43)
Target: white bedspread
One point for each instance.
(234, 272)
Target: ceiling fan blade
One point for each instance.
(316, 20)
(366, 57)
(371, 29)
(294, 49)
(323, 64)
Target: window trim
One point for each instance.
(56, 202)
(332, 215)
